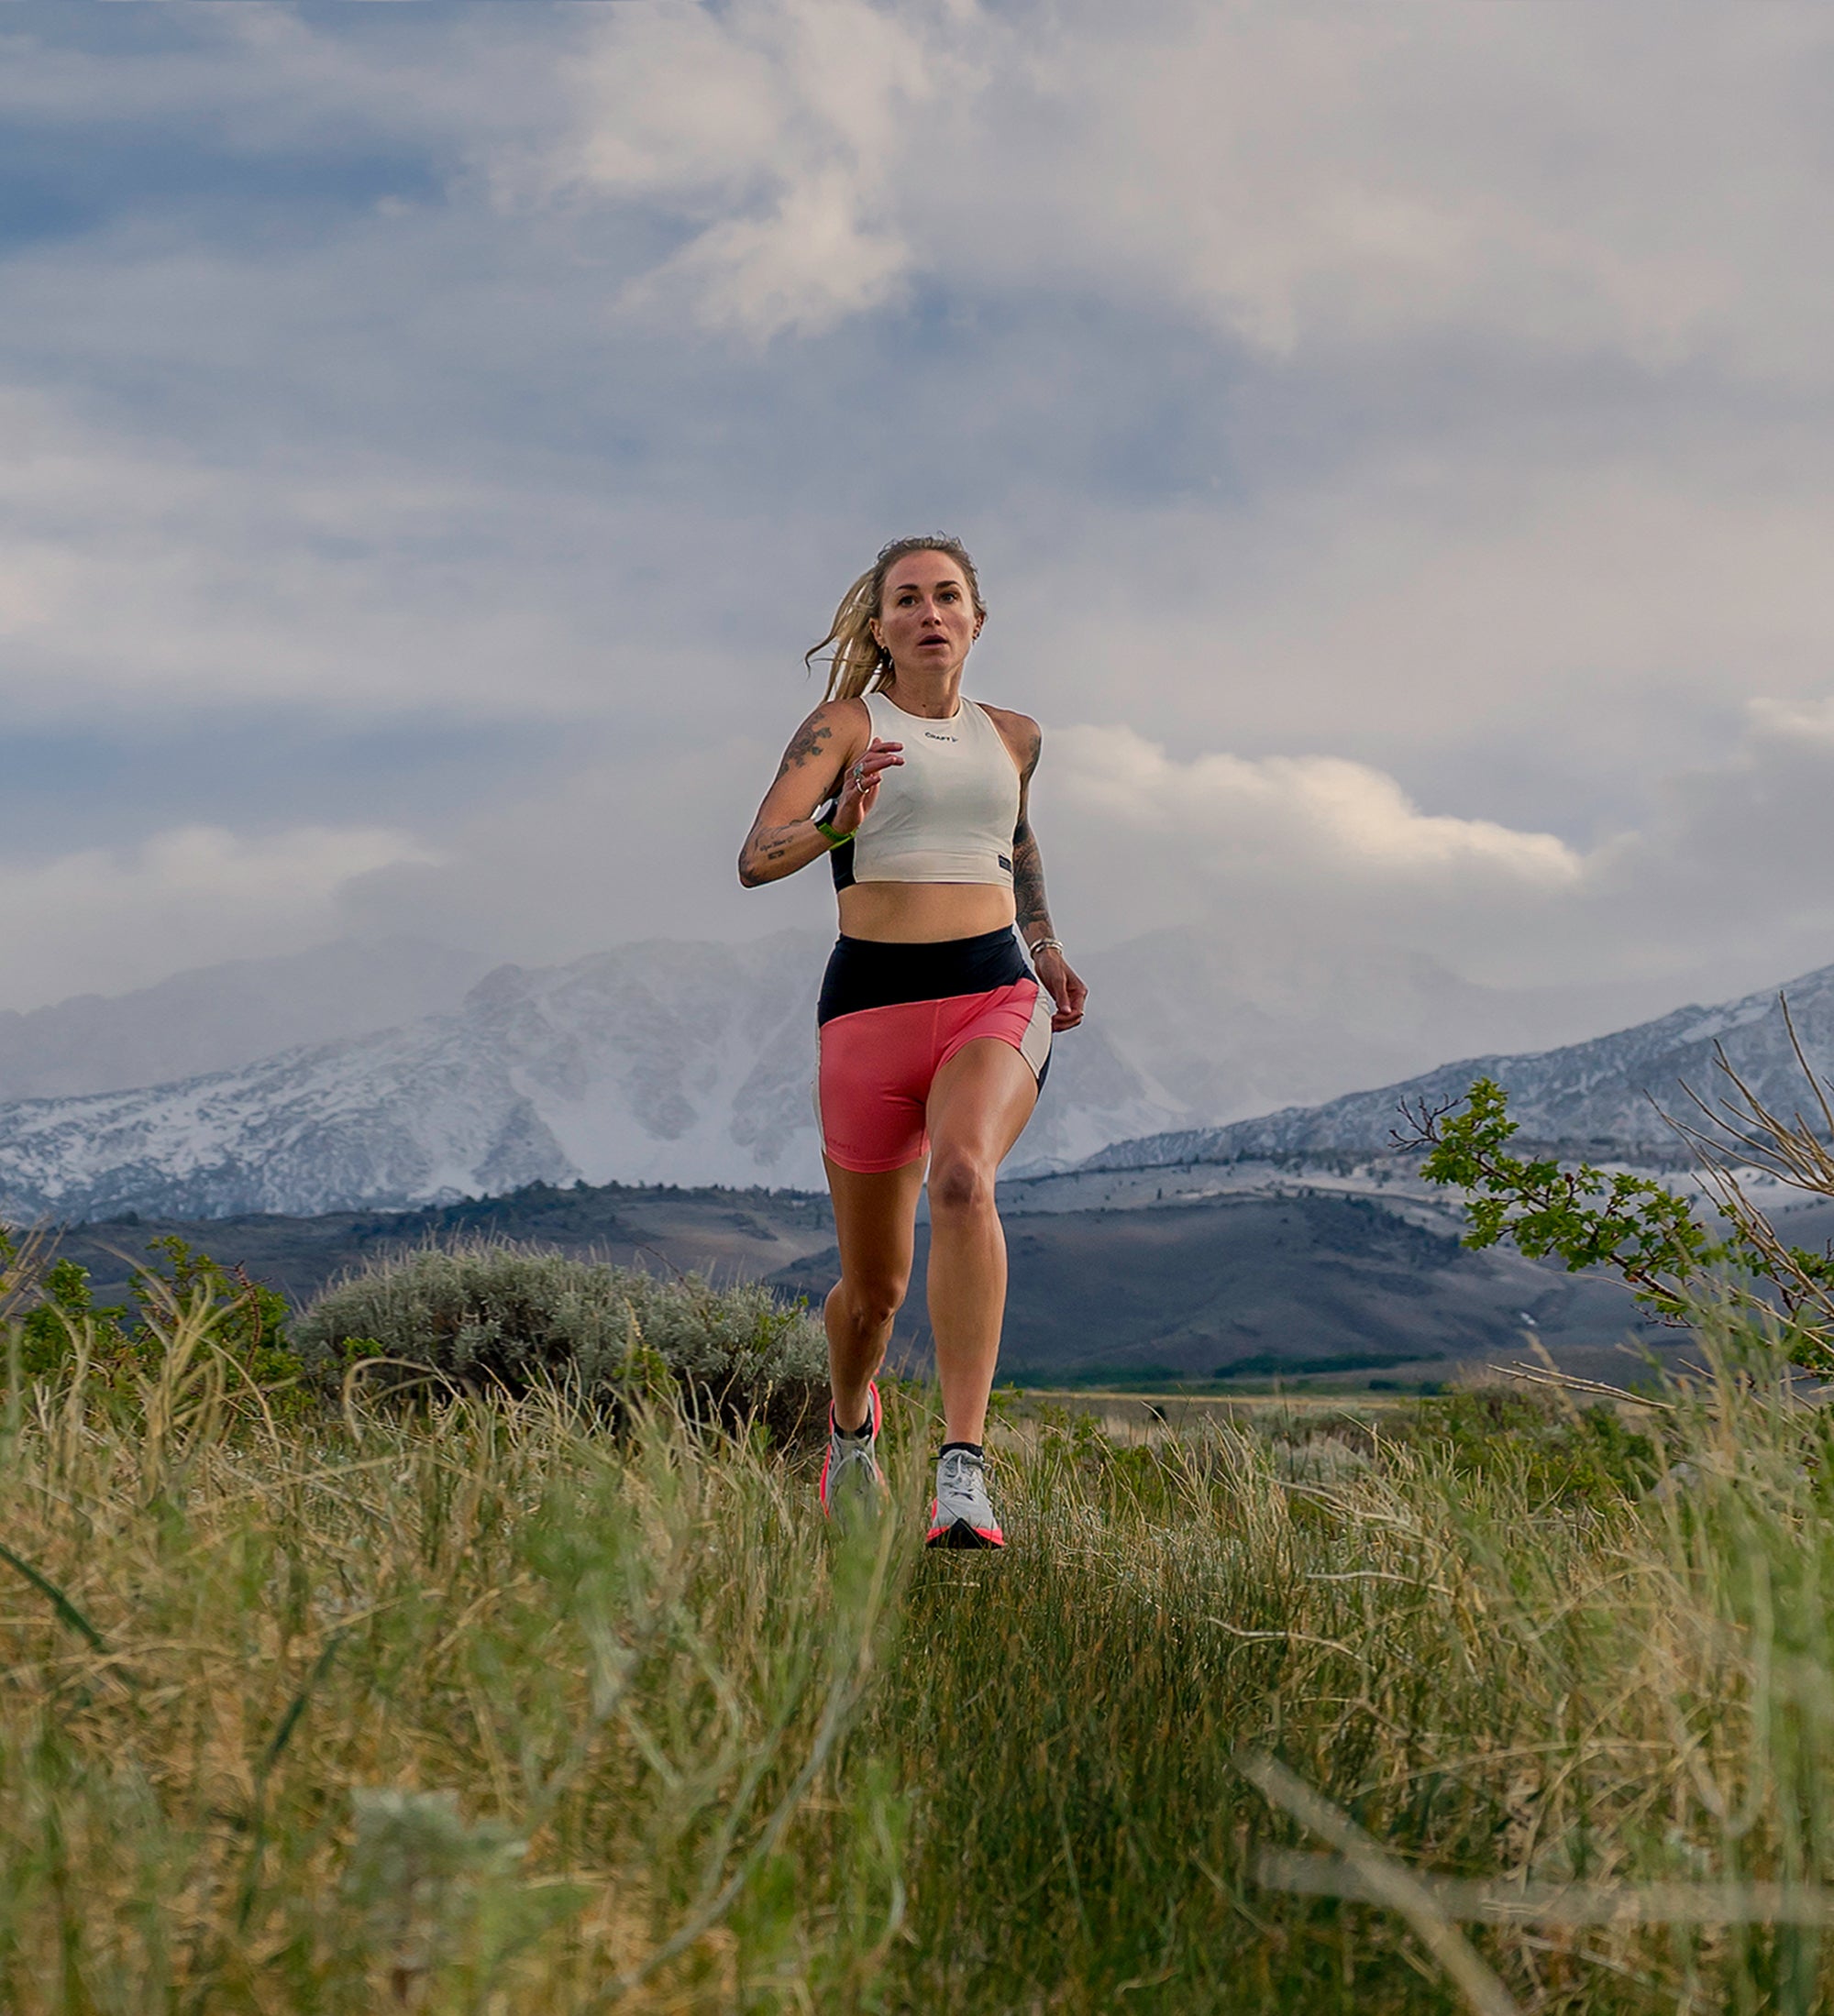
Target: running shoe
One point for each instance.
(960, 1513)
(851, 1478)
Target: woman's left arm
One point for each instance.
(1033, 912)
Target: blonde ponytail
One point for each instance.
(857, 665)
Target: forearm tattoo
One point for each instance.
(770, 850)
(1028, 864)
(1028, 882)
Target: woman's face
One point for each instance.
(926, 618)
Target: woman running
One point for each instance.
(933, 1033)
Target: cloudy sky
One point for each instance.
(1396, 441)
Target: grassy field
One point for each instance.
(479, 1707)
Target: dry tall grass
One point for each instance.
(473, 1708)
(1626, 1687)
(463, 1709)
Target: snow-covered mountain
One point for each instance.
(1229, 1029)
(1601, 1098)
(215, 1018)
(656, 1062)
(690, 1064)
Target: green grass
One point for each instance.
(477, 1708)
(470, 1707)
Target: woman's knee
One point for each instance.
(873, 1300)
(960, 1183)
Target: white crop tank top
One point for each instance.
(947, 814)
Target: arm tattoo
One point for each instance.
(804, 748)
(1028, 865)
(767, 847)
(1028, 881)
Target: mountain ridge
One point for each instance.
(1608, 1093)
(659, 1062)
(218, 1018)
(677, 1061)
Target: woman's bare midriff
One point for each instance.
(920, 913)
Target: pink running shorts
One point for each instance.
(878, 1065)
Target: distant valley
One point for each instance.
(1252, 1286)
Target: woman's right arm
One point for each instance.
(784, 837)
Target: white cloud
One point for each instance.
(1294, 859)
(336, 576)
(107, 919)
(1301, 815)
(1734, 854)
(1636, 178)
(1561, 179)
(270, 81)
(1302, 863)
(802, 268)
(355, 519)
(1290, 855)
(1724, 882)
(1456, 607)
(1810, 723)
(1407, 420)
(774, 130)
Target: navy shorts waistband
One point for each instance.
(868, 972)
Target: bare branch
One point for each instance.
(1422, 1117)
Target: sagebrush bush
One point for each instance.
(493, 1313)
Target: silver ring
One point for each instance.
(859, 778)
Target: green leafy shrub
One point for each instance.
(61, 1318)
(493, 1313)
(1583, 1216)
(1560, 1455)
(1672, 1259)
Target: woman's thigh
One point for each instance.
(979, 1103)
(875, 1223)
